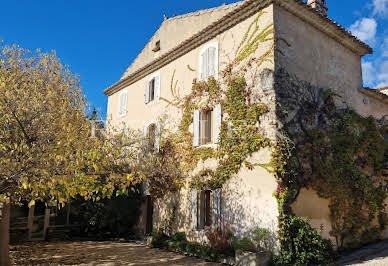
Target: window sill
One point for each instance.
(152, 103)
(210, 145)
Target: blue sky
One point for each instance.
(98, 39)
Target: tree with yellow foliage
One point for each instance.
(48, 147)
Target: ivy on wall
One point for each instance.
(333, 151)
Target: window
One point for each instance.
(209, 61)
(206, 126)
(151, 137)
(152, 91)
(206, 209)
(123, 103)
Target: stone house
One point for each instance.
(201, 44)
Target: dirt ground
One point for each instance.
(96, 253)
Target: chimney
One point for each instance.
(319, 5)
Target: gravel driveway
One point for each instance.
(96, 253)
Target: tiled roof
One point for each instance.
(242, 11)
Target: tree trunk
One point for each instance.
(4, 236)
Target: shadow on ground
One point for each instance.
(97, 253)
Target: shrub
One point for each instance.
(262, 239)
(245, 244)
(179, 241)
(301, 244)
(220, 239)
(159, 239)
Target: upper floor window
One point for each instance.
(209, 61)
(123, 103)
(152, 90)
(206, 126)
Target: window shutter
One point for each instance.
(196, 129)
(158, 136)
(217, 119)
(121, 104)
(216, 215)
(147, 92)
(145, 133)
(212, 61)
(204, 66)
(157, 88)
(125, 99)
(194, 209)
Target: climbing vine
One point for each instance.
(335, 152)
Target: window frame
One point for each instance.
(209, 122)
(216, 57)
(152, 80)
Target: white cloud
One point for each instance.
(380, 7)
(382, 75)
(368, 74)
(384, 48)
(365, 29)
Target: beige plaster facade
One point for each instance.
(319, 52)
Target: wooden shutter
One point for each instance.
(216, 215)
(147, 92)
(194, 209)
(217, 119)
(211, 61)
(158, 136)
(196, 128)
(157, 88)
(122, 104)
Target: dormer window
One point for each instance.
(152, 90)
(156, 47)
(209, 61)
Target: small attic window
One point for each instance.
(156, 47)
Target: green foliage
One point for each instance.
(301, 244)
(159, 239)
(245, 244)
(113, 217)
(262, 238)
(178, 242)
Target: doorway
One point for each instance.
(150, 213)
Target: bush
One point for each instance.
(262, 239)
(159, 239)
(179, 241)
(245, 244)
(301, 244)
(115, 217)
(220, 239)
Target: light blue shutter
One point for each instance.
(217, 119)
(194, 209)
(125, 99)
(204, 66)
(145, 133)
(158, 136)
(216, 215)
(212, 61)
(147, 92)
(196, 128)
(157, 88)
